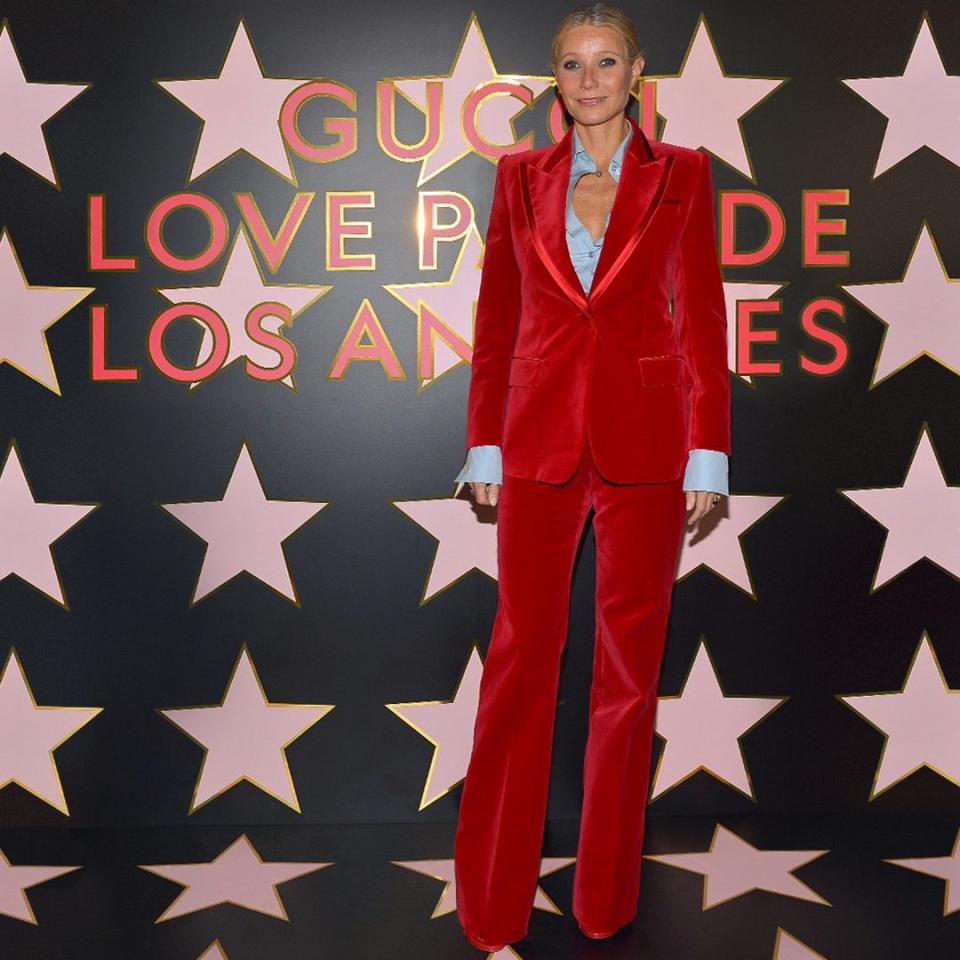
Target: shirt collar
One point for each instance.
(584, 163)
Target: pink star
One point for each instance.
(464, 543)
(451, 302)
(733, 293)
(29, 734)
(472, 68)
(213, 952)
(703, 728)
(240, 109)
(28, 312)
(922, 516)
(703, 105)
(443, 870)
(26, 108)
(788, 947)
(245, 737)
(921, 722)
(14, 882)
(237, 876)
(448, 725)
(244, 531)
(921, 311)
(240, 288)
(733, 867)
(720, 549)
(920, 105)
(30, 528)
(946, 868)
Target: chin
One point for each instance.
(589, 116)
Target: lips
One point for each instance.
(590, 101)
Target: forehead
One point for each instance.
(591, 38)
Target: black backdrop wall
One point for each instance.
(371, 596)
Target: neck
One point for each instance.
(601, 140)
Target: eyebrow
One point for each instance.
(564, 55)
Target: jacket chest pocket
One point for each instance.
(668, 219)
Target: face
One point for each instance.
(593, 74)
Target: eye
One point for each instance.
(609, 60)
(569, 64)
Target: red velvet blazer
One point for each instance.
(649, 382)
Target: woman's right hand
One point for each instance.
(485, 494)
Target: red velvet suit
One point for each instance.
(595, 401)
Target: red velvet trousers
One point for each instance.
(637, 528)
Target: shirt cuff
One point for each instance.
(483, 465)
(707, 470)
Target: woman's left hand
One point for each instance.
(701, 501)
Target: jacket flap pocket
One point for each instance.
(664, 370)
(524, 371)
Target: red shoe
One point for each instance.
(597, 936)
(483, 944)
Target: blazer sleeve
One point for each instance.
(701, 318)
(497, 321)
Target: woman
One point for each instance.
(599, 377)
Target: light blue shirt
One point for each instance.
(706, 469)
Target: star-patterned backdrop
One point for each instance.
(243, 603)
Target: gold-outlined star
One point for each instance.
(702, 703)
(732, 867)
(239, 62)
(919, 104)
(890, 713)
(462, 543)
(255, 881)
(752, 91)
(31, 527)
(244, 692)
(442, 870)
(30, 310)
(42, 97)
(26, 750)
(472, 37)
(16, 879)
(245, 501)
(241, 287)
(464, 281)
(946, 868)
(921, 515)
(912, 308)
(455, 718)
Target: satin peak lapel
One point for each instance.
(544, 191)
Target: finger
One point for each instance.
(702, 506)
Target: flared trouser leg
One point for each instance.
(637, 530)
(499, 834)
(502, 815)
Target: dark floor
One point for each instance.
(374, 903)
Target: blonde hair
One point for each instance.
(599, 15)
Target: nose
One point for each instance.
(587, 79)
